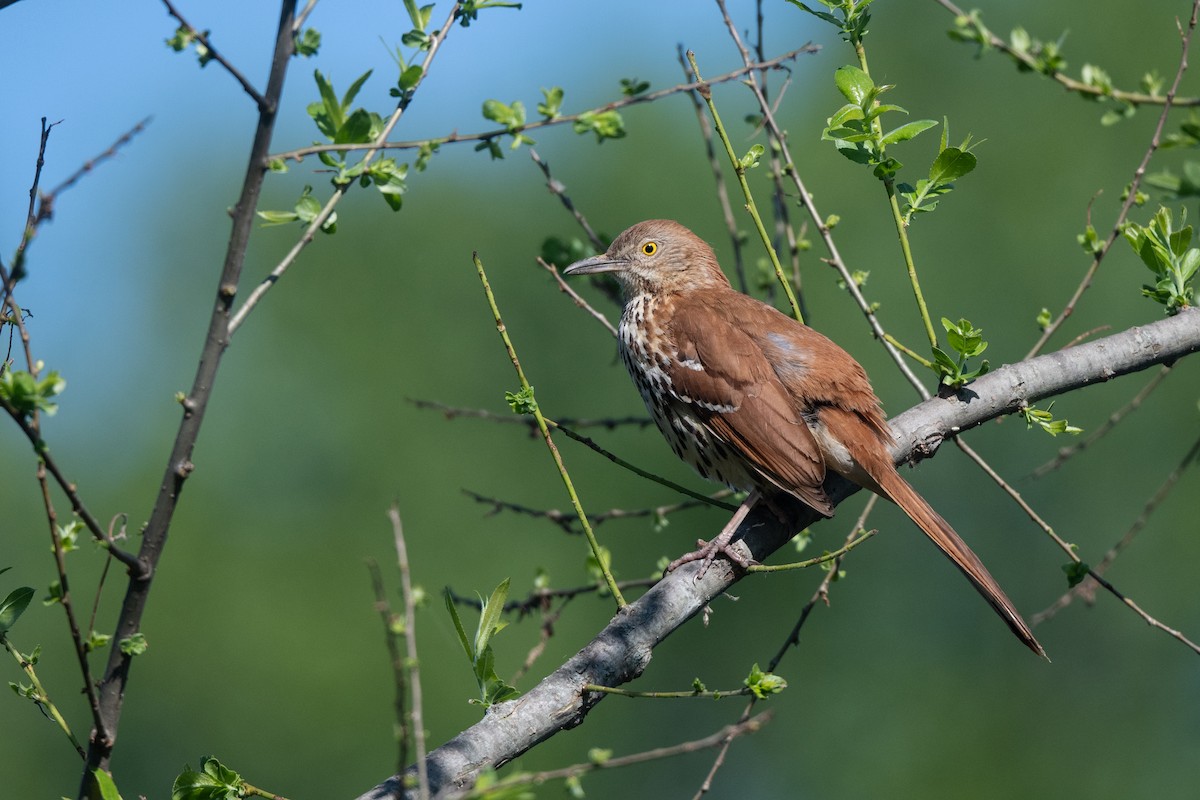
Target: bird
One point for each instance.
(754, 399)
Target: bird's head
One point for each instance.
(656, 256)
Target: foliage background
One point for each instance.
(264, 647)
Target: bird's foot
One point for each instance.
(707, 553)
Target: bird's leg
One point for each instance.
(707, 551)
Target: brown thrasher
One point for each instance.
(754, 399)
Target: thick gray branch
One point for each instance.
(622, 650)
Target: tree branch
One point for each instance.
(179, 464)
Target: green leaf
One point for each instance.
(489, 618)
(908, 131)
(106, 785)
(96, 641)
(854, 84)
(13, 606)
(551, 105)
(631, 87)
(308, 42)
(28, 394)
(134, 645)
(951, 164)
(764, 684)
(328, 113)
(523, 401)
(1076, 571)
(214, 781)
(352, 92)
(750, 160)
(357, 129)
(605, 124)
(410, 77)
(458, 626)
(599, 755)
(277, 217)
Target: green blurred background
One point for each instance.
(265, 649)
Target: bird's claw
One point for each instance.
(707, 552)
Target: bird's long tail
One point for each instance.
(896, 489)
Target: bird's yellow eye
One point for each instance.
(650, 248)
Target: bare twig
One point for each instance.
(538, 599)
(391, 638)
(558, 190)
(264, 105)
(410, 642)
(46, 201)
(564, 287)
(589, 443)
(1130, 192)
(728, 733)
(714, 163)
(1070, 551)
(302, 17)
(1101, 431)
(1087, 588)
(569, 523)
(739, 169)
(454, 412)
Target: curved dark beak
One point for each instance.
(595, 265)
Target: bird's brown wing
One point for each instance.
(723, 376)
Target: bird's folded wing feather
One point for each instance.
(721, 373)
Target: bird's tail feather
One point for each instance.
(896, 489)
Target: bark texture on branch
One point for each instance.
(621, 651)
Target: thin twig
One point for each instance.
(714, 163)
(1113, 419)
(569, 522)
(584, 440)
(708, 694)
(1070, 550)
(454, 412)
(545, 632)
(558, 190)
(824, 558)
(390, 638)
(46, 201)
(302, 17)
(587, 442)
(410, 642)
(728, 733)
(301, 152)
(1131, 191)
(247, 87)
(1087, 588)
(545, 431)
(538, 599)
(564, 287)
